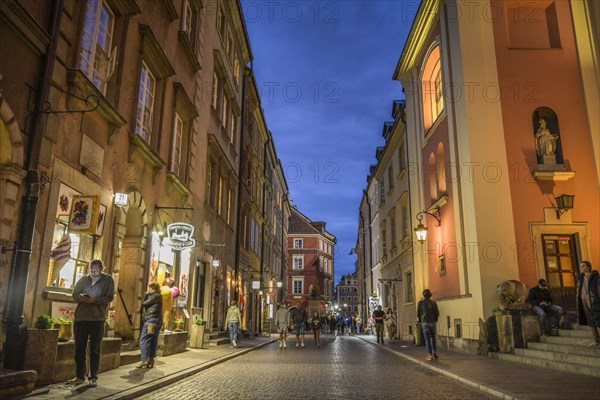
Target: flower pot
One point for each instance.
(196, 336)
(65, 332)
(40, 353)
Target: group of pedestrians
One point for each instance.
(94, 292)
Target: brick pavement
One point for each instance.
(343, 368)
(502, 378)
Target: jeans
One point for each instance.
(233, 331)
(379, 331)
(544, 322)
(300, 329)
(359, 327)
(591, 323)
(149, 341)
(429, 334)
(94, 330)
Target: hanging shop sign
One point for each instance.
(83, 218)
(180, 236)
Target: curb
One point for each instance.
(177, 376)
(469, 382)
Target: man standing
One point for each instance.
(299, 318)
(588, 300)
(427, 316)
(378, 316)
(282, 321)
(92, 293)
(540, 299)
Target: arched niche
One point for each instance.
(546, 137)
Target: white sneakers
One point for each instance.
(234, 343)
(284, 343)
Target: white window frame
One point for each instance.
(300, 260)
(187, 19)
(215, 93)
(229, 205)
(97, 65)
(143, 126)
(177, 140)
(301, 241)
(297, 280)
(220, 195)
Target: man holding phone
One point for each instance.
(92, 293)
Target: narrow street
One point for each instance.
(344, 367)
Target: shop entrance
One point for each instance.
(127, 304)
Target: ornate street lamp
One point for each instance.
(564, 203)
(420, 230)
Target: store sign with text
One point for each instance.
(180, 236)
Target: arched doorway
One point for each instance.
(130, 266)
(11, 178)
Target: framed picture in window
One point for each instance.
(65, 199)
(83, 218)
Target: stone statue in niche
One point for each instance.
(545, 141)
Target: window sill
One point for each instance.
(434, 126)
(58, 294)
(83, 88)
(146, 152)
(176, 183)
(170, 9)
(186, 45)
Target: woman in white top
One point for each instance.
(390, 324)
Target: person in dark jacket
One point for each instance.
(152, 316)
(588, 299)
(427, 316)
(540, 299)
(92, 293)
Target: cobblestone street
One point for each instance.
(342, 368)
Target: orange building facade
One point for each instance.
(502, 100)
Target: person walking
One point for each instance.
(299, 319)
(358, 324)
(427, 316)
(233, 319)
(282, 322)
(92, 293)
(316, 328)
(152, 317)
(588, 300)
(378, 316)
(390, 324)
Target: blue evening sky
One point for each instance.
(324, 69)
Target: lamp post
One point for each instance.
(420, 230)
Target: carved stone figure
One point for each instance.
(512, 295)
(545, 142)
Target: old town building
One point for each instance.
(499, 147)
(131, 112)
(346, 295)
(310, 268)
(389, 212)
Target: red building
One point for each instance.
(310, 263)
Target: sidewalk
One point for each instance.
(128, 382)
(504, 379)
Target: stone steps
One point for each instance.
(217, 342)
(130, 357)
(565, 348)
(579, 359)
(576, 333)
(574, 341)
(556, 365)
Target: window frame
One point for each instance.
(140, 124)
(295, 258)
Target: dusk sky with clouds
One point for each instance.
(324, 69)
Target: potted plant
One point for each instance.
(40, 353)
(65, 324)
(179, 321)
(197, 333)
